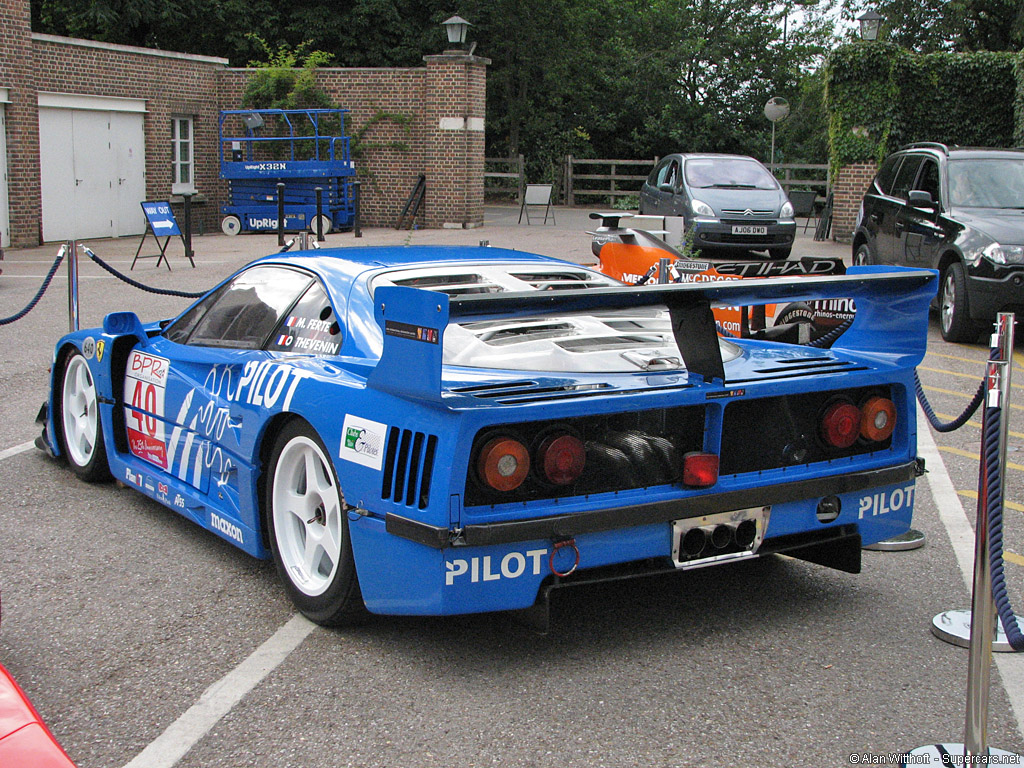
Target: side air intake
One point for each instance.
(408, 467)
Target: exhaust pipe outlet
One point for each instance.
(694, 541)
(721, 536)
(746, 532)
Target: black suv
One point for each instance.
(959, 210)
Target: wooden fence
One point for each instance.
(614, 178)
(816, 177)
(505, 176)
(610, 179)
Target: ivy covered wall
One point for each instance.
(880, 96)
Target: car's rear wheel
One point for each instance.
(309, 535)
(78, 423)
(863, 255)
(954, 318)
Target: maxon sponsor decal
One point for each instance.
(230, 530)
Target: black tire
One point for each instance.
(779, 254)
(328, 592)
(863, 255)
(77, 420)
(954, 315)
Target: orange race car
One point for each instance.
(640, 257)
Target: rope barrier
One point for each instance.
(994, 498)
(39, 294)
(136, 284)
(959, 421)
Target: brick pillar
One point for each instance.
(22, 118)
(851, 183)
(456, 88)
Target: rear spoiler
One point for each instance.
(891, 318)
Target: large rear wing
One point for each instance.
(891, 318)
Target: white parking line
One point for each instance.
(961, 535)
(221, 697)
(8, 452)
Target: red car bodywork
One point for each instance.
(25, 741)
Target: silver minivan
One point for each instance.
(729, 202)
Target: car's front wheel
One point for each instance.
(309, 535)
(954, 318)
(780, 254)
(863, 255)
(79, 427)
(78, 423)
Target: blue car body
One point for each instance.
(192, 426)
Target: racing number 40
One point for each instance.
(144, 400)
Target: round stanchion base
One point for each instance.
(955, 627)
(955, 754)
(912, 539)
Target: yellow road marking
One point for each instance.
(970, 455)
(977, 424)
(961, 359)
(974, 377)
(1008, 504)
(961, 394)
(1013, 557)
(1018, 358)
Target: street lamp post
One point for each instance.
(456, 28)
(870, 24)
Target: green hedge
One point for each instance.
(881, 96)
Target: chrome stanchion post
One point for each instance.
(72, 254)
(981, 622)
(954, 626)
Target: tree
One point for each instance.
(927, 26)
(592, 78)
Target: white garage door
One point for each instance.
(92, 166)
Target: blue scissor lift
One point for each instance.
(301, 148)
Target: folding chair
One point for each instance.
(803, 204)
(537, 195)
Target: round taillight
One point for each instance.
(878, 419)
(840, 426)
(503, 464)
(561, 459)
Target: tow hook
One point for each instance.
(559, 545)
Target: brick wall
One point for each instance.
(170, 84)
(455, 152)
(850, 185)
(451, 87)
(22, 117)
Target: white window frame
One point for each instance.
(177, 163)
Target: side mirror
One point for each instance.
(667, 188)
(921, 199)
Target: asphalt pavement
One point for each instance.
(147, 642)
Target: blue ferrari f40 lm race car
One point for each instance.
(443, 430)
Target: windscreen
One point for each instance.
(987, 183)
(728, 173)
